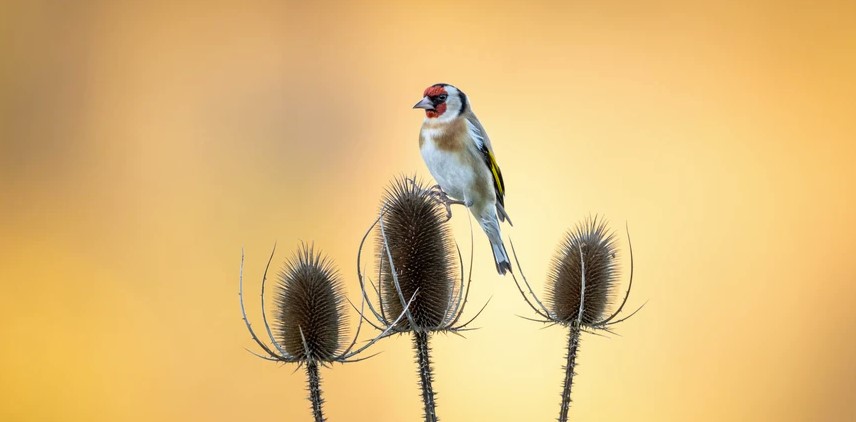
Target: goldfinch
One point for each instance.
(458, 154)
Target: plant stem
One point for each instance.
(426, 377)
(573, 345)
(315, 390)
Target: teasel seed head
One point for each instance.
(310, 318)
(588, 250)
(579, 288)
(309, 325)
(413, 230)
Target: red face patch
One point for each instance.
(434, 90)
(436, 112)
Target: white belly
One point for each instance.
(449, 170)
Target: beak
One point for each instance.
(425, 103)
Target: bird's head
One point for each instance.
(442, 101)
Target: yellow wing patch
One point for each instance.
(497, 175)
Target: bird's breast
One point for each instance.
(452, 168)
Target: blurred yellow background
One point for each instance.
(145, 143)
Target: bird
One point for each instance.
(458, 153)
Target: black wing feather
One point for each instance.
(498, 183)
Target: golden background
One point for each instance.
(145, 143)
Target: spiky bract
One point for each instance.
(311, 318)
(564, 286)
(423, 255)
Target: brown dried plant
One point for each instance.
(417, 261)
(580, 287)
(310, 324)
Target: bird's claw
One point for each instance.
(443, 199)
(448, 210)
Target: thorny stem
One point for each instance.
(314, 380)
(573, 345)
(426, 377)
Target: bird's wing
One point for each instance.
(477, 131)
(479, 136)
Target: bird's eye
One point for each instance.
(442, 97)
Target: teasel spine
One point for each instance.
(426, 375)
(573, 345)
(314, 380)
(574, 340)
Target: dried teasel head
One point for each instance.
(309, 325)
(310, 321)
(586, 255)
(580, 286)
(413, 231)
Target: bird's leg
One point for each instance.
(436, 190)
(443, 198)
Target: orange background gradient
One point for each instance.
(145, 143)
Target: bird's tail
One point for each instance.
(503, 264)
(491, 228)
